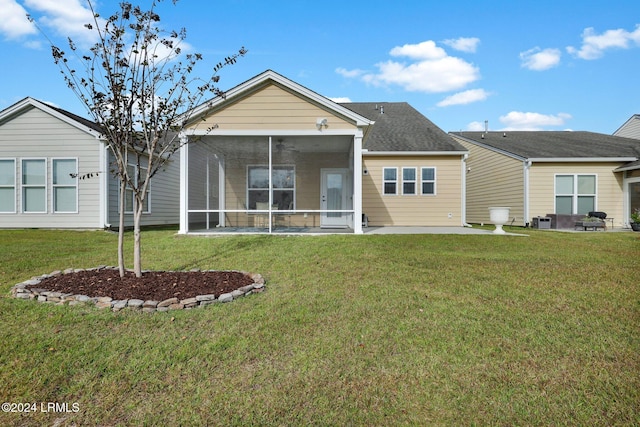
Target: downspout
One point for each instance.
(525, 207)
(463, 191)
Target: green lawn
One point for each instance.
(352, 330)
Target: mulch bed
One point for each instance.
(153, 285)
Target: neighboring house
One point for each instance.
(631, 129)
(549, 173)
(274, 155)
(43, 151)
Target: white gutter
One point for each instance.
(463, 191)
(414, 153)
(582, 159)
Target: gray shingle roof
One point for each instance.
(400, 127)
(557, 144)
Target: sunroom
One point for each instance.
(274, 158)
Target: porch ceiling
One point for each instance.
(288, 143)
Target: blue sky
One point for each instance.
(528, 65)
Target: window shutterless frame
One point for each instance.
(34, 185)
(390, 181)
(64, 185)
(409, 181)
(8, 186)
(428, 181)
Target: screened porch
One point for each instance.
(269, 184)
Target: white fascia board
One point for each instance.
(582, 159)
(271, 132)
(30, 102)
(414, 153)
(271, 75)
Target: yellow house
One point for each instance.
(272, 155)
(559, 175)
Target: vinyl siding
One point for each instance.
(494, 180)
(271, 107)
(164, 197)
(609, 192)
(36, 134)
(418, 209)
(631, 129)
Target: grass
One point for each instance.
(352, 330)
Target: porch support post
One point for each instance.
(184, 185)
(357, 182)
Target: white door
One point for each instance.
(333, 197)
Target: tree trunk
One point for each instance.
(123, 187)
(137, 259)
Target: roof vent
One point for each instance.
(504, 135)
(381, 109)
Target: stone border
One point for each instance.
(20, 291)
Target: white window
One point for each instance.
(7, 186)
(34, 185)
(428, 182)
(129, 198)
(283, 182)
(575, 194)
(390, 180)
(409, 181)
(65, 185)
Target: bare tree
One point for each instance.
(136, 84)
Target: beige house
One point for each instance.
(272, 155)
(44, 150)
(562, 175)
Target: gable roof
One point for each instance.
(268, 77)
(401, 128)
(72, 119)
(630, 128)
(557, 145)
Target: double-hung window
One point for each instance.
(409, 181)
(34, 185)
(428, 181)
(65, 185)
(390, 180)
(575, 194)
(283, 187)
(129, 197)
(7, 186)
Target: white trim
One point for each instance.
(15, 185)
(527, 191)
(27, 102)
(22, 185)
(415, 181)
(576, 195)
(357, 182)
(103, 190)
(271, 132)
(626, 182)
(184, 185)
(384, 181)
(414, 153)
(435, 181)
(582, 159)
(54, 186)
(270, 75)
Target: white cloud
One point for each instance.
(463, 44)
(341, 99)
(594, 45)
(475, 126)
(517, 120)
(463, 98)
(350, 73)
(538, 60)
(65, 17)
(13, 20)
(431, 70)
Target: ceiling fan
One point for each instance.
(281, 146)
